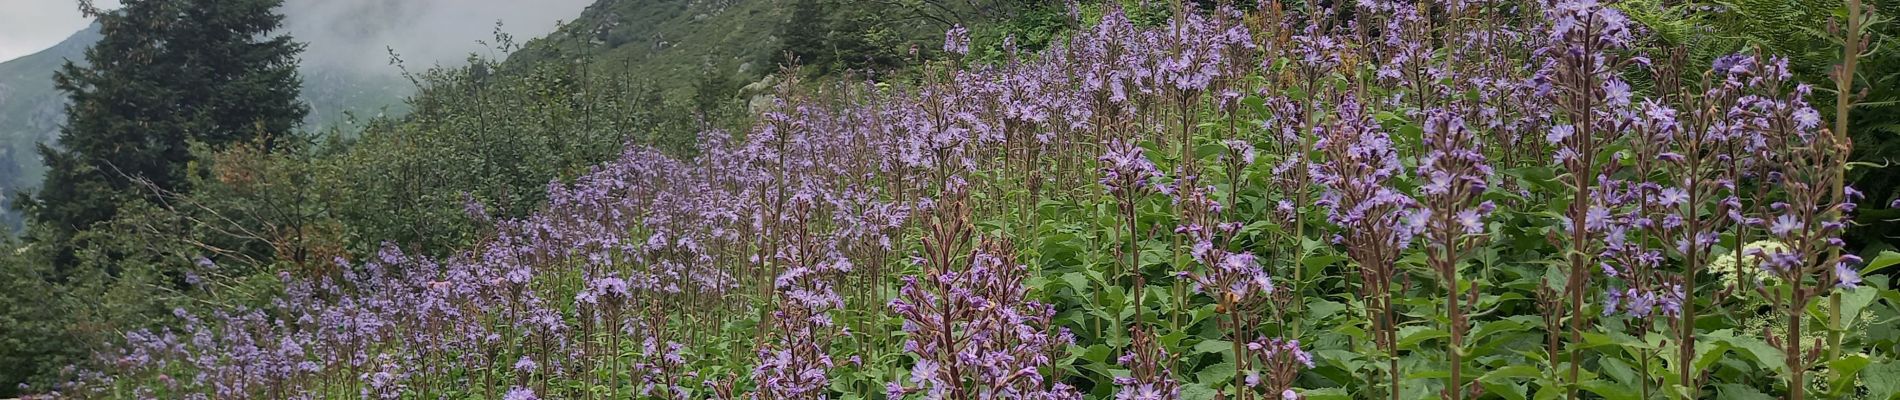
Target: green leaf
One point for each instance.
(1215, 374)
(1767, 356)
(1609, 390)
(1853, 302)
(1097, 353)
(1318, 261)
(1500, 326)
(1730, 391)
(1619, 370)
(1411, 336)
(1320, 309)
(1845, 369)
(1196, 391)
(1883, 381)
(1253, 101)
(1510, 391)
(1213, 346)
(1549, 392)
(1708, 352)
(1880, 262)
(1077, 281)
(1331, 393)
(1508, 373)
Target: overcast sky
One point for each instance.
(27, 26)
(341, 33)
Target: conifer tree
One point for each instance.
(166, 73)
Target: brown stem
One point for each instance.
(1794, 355)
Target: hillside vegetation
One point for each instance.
(1031, 200)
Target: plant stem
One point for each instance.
(1793, 343)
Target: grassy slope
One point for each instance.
(671, 41)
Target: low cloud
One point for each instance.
(353, 35)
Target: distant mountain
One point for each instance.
(31, 109)
(31, 112)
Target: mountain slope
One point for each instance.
(31, 111)
(670, 41)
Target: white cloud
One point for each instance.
(350, 34)
(355, 34)
(28, 26)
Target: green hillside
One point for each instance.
(674, 43)
(670, 41)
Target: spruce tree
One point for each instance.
(805, 35)
(166, 73)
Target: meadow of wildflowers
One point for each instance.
(1458, 199)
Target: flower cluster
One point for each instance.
(974, 334)
(1149, 377)
(1281, 360)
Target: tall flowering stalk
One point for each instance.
(1580, 78)
(1376, 221)
(1807, 219)
(796, 362)
(1128, 175)
(1235, 280)
(973, 333)
(1700, 153)
(1454, 175)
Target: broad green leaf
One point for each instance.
(1619, 370)
(1508, 373)
(1321, 309)
(1411, 336)
(1883, 261)
(1845, 370)
(1215, 374)
(1730, 391)
(1196, 391)
(1213, 346)
(1708, 352)
(1854, 301)
(1610, 390)
(1766, 356)
(1513, 324)
(1331, 393)
(1883, 380)
(1097, 353)
(1509, 391)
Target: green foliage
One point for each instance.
(251, 213)
(165, 73)
(663, 43)
(1798, 30)
(500, 138)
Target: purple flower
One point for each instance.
(957, 40)
(1846, 277)
(521, 393)
(1125, 170)
(1558, 134)
(1784, 225)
